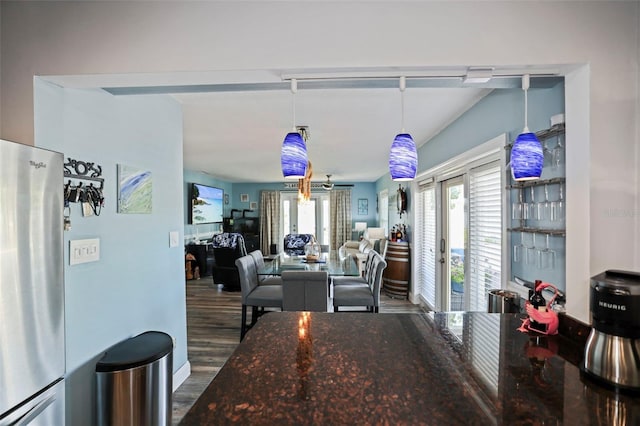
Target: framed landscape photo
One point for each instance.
(134, 190)
(253, 205)
(363, 206)
(244, 198)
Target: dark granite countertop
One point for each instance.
(445, 368)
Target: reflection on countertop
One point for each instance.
(444, 368)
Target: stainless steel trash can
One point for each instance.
(134, 381)
(503, 301)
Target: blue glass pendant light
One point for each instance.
(293, 157)
(403, 158)
(526, 154)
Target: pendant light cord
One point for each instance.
(294, 90)
(526, 110)
(403, 85)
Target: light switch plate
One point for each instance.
(83, 251)
(173, 238)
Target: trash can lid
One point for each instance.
(140, 350)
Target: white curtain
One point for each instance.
(269, 219)
(340, 202)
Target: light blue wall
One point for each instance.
(502, 111)
(360, 190)
(138, 284)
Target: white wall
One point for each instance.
(106, 37)
(138, 284)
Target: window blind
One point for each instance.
(485, 233)
(426, 247)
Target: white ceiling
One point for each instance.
(235, 121)
(237, 136)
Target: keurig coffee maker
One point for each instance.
(612, 352)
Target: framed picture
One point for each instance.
(244, 198)
(253, 205)
(363, 206)
(226, 198)
(134, 190)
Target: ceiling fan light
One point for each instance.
(403, 158)
(526, 157)
(293, 157)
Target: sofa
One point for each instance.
(372, 239)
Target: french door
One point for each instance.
(458, 241)
(453, 243)
(306, 217)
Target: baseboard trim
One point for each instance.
(181, 375)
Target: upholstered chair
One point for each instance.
(255, 295)
(227, 247)
(294, 243)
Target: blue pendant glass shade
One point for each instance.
(403, 158)
(526, 157)
(293, 157)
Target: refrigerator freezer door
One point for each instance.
(45, 409)
(31, 272)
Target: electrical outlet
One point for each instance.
(83, 251)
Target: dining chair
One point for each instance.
(305, 291)
(258, 258)
(362, 280)
(255, 295)
(362, 295)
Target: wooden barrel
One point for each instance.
(395, 279)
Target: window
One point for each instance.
(383, 210)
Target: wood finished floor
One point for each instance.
(213, 332)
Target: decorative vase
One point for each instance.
(312, 250)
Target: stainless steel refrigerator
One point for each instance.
(32, 341)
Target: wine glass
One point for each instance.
(533, 208)
(557, 207)
(532, 250)
(519, 249)
(519, 209)
(546, 256)
(557, 156)
(544, 207)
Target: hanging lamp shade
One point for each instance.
(403, 158)
(526, 157)
(293, 157)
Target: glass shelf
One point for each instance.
(532, 230)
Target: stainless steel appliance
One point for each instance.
(32, 341)
(612, 352)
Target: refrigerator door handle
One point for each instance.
(32, 413)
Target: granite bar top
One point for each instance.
(444, 368)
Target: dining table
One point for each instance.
(330, 262)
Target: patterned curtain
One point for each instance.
(340, 202)
(269, 219)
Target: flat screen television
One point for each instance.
(206, 204)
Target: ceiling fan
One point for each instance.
(328, 185)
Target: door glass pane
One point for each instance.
(286, 216)
(325, 222)
(307, 217)
(455, 236)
